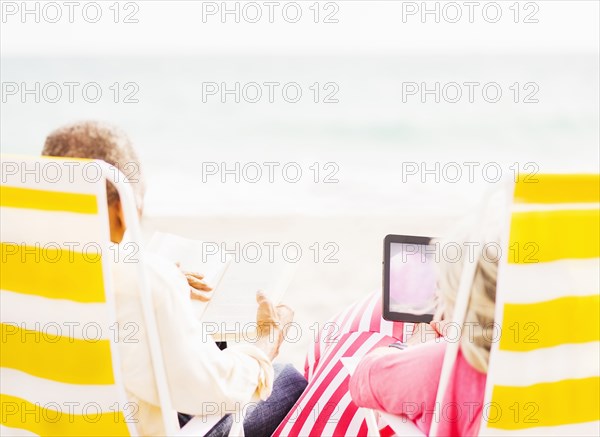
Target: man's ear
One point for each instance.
(116, 220)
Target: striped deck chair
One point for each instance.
(544, 375)
(326, 407)
(59, 367)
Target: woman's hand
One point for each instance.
(439, 321)
(422, 333)
(199, 290)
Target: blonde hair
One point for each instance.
(476, 341)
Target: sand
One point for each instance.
(319, 289)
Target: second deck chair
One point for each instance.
(544, 373)
(59, 367)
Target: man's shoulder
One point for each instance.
(162, 274)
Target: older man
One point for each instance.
(198, 372)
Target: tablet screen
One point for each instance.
(409, 288)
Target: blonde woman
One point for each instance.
(405, 382)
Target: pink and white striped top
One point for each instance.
(326, 407)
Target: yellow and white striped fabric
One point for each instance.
(59, 370)
(544, 375)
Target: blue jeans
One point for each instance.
(263, 418)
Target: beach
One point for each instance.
(339, 175)
(346, 159)
(319, 289)
(334, 178)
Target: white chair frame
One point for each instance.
(198, 425)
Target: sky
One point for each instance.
(352, 27)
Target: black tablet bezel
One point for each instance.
(387, 314)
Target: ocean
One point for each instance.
(318, 135)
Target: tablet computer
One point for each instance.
(409, 278)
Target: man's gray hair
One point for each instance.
(95, 140)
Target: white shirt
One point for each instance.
(200, 376)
